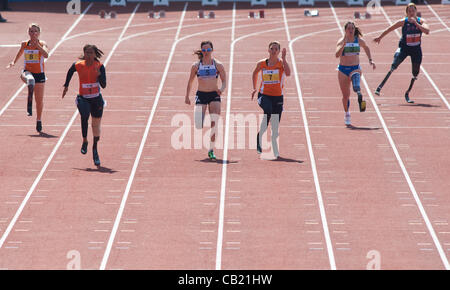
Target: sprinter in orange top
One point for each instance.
(35, 51)
(92, 76)
(270, 96)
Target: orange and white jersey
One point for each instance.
(34, 60)
(272, 78)
(88, 76)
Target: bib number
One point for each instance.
(31, 56)
(413, 39)
(271, 76)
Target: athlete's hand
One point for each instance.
(64, 92)
(253, 94)
(35, 42)
(283, 54)
(373, 65)
(187, 100)
(377, 40)
(412, 20)
(219, 92)
(11, 64)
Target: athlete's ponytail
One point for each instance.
(358, 32)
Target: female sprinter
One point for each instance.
(92, 75)
(349, 70)
(409, 45)
(207, 70)
(270, 95)
(35, 50)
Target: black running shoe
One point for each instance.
(407, 99)
(39, 126)
(95, 156)
(377, 92)
(84, 148)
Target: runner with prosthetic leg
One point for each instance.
(274, 71)
(35, 51)
(349, 70)
(409, 45)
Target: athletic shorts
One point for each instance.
(39, 77)
(348, 69)
(271, 104)
(90, 106)
(415, 52)
(204, 98)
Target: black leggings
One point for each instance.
(271, 105)
(415, 52)
(87, 107)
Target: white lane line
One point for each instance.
(218, 261)
(224, 164)
(63, 38)
(400, 162)
(421, 67)
(310, 148)
(47, 163)
(142, 145)
(225, 149)
(437, 16)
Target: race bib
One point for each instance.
(271, 76)
(90, 90)
(207, 71)
(31, 56)
(351, 49)
(413, 39)
(89, 86)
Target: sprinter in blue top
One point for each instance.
(409, 45)
(207, 70)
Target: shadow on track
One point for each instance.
(100, 169)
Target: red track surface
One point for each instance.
(160, 208)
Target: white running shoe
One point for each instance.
(347, 119)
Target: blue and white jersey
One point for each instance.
(207, 71)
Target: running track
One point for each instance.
(341, 198)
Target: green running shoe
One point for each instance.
(211, 155)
